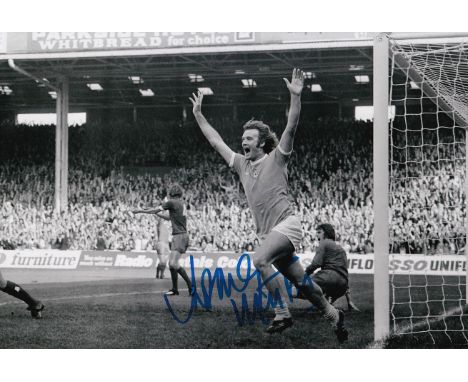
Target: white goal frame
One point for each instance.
(381, 131)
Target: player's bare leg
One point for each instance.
(164, 258)
(294, 272)
(163, 253)
(34, 306)
(158, 268)
(274, 246)
(161, 268)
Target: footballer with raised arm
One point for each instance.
(263, 173)
(180, 239)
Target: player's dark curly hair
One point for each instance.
(265, 135)
(328, 230)
(176, 191)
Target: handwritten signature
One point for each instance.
(228, 287)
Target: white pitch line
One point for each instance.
(84, 296)
(407, 329)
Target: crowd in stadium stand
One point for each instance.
(330, 179)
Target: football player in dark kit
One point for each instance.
(180, 239)
(9, 287)
(332, 261)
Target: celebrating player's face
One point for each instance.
(252, 149)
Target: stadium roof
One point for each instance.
(167, 73)
(148, 69)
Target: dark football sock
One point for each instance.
(185, 277)
(16, 291)
(163, 268)
(174, 277)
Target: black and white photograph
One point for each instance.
(233, 190)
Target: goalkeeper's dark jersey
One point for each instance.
(177, 215)
(331, 256)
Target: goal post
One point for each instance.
(381, 194)
(420, 186)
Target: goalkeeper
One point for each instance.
(331, 259)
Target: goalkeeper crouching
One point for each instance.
(330, 259)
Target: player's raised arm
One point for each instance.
(295, 90)
(208, 131)
(148, 211)
(163, 215)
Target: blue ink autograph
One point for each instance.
(227, 287)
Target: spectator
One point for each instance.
(100, 243)
(331, 182)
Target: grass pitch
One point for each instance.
(132, 313)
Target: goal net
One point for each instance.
(427, 216)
